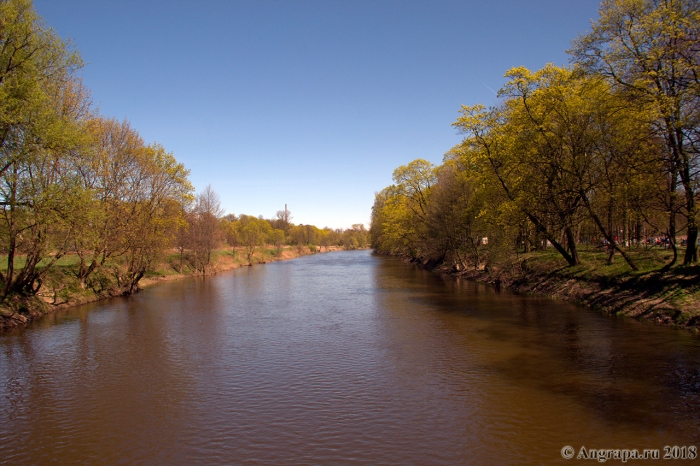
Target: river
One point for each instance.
(340, 358)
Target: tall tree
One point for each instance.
(108, 168)
(205, 227)
(155, 212)
(42, 106)
(455, 221)
(650, 49)
(502, 151)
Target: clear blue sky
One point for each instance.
(309, 103)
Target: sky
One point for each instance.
(312, 104)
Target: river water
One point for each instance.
(340, 358)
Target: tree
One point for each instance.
(107, 168)
(71, 180)
(592, 140)
(205, 228)
(355, 237)
(414, 182)
(230, 227)
(500, 150)
(42, 106)
(650, 50)
(404, 208)
(254, 235)
(277, 238)
(454, 220)
(156, 211)
(564, 148)
(395, 228)
(325, 238)
(285, 218)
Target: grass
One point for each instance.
(60, 285)
(652, 291)
(64, 261)
(594, 261)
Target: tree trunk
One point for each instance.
(573, 250)
(691, 252)
(608, 233)
(12, 247)
(671, 233)
(611, 255)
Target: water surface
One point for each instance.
(340, 358)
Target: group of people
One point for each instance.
(661, 241)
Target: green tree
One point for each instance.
(455, 221)
(253, 236)
(587, 143)
(277, 238)
(42, 106)
(107, 168)
(155, 213)
(230, 227)
(499, 150)
(649, 50)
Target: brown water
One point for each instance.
(341, 358)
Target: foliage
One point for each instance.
(598, 154)
(72, 181)
(648, 51)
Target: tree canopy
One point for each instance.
(601, 152)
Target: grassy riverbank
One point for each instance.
(61, 288)
(670, 297)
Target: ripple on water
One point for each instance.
(334, 359)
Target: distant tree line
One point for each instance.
(75, 183)
(250, 233)
(206, 228)
(603, 151)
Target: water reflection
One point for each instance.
(337, 358)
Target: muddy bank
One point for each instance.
(670, 298)
(19, 311)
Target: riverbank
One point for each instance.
(668, 297)
(61, 289)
